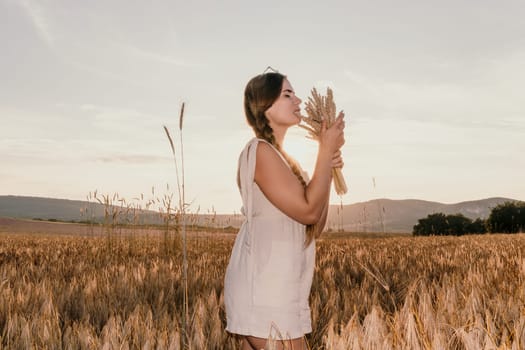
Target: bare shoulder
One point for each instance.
(268, 160)
(272, 174)
(279, 184)
(265, 151)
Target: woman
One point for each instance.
(270, 272)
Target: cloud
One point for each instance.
(361, 80)
(485, 96)
(157, 57)
(122, 120)
(40, 20)
(321, 85)
(133, 159)
(105, 73)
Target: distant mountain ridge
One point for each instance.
(378, 215)
(387, 215)
(23, 207)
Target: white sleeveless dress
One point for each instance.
(268, 278)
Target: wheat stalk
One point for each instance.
(182, 207)
(319, 108)
(69, 291)
(184, 244)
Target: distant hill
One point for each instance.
(372, 216)
(22, 207)
(401, 215)
(45, 208)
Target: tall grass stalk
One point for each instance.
(182, 208)
(183, 219)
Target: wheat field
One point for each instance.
(71, 292)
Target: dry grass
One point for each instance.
(386, 293)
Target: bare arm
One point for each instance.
(337, 162)
(322, 221)
(281, 187)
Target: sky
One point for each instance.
(432, 92)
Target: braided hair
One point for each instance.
(259, 95)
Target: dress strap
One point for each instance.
(246, 176)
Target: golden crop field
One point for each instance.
(71, 292)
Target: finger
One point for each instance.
(337, 154)
(338, 122)
(337, 162)
(323, 124)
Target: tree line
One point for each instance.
(508, 217)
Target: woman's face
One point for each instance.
(285, 111)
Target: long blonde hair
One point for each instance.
(259, 95)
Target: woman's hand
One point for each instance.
(332, 139)
(337, 160)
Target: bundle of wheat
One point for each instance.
(319, 108)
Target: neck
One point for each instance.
(279, 134)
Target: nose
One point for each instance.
(298, 100)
